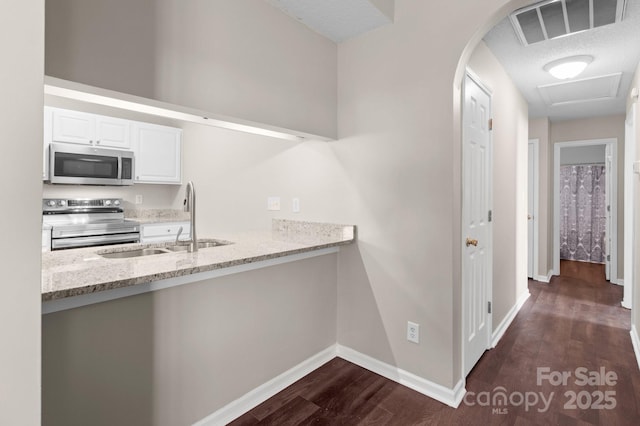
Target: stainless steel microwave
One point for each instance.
(89, 165)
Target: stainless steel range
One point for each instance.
(88, 222)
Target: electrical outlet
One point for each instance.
(413, 332)
(273, 203)
(138, 199)
(295, 205)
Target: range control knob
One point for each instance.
(51, 203)
(116, 202)
(62, 203)
(107, 202)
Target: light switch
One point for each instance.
(273, 203)
(295, 205)
(636, 167)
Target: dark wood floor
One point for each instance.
(574, 321)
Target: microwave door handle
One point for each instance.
(120, 168)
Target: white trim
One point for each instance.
(451, 397)
(536, 201)
(508, 319)
(117, 293)
(635, 341)
(544, 279)
(477, 80)
(613, 197)
(233, 410)
(619, 282)
(629, 205)
(257, 396)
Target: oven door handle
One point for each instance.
(94, 241)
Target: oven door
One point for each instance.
(94, 234)
(87, 165)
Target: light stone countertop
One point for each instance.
(75, 272)
(146, 216)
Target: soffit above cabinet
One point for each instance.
(95, 95)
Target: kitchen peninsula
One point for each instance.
(84, 272)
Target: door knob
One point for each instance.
(529, 217)
(471, 242)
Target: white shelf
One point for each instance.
(82, 92)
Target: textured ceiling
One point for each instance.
(615, 49)
(338, 20)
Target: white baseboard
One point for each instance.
(618, 282)
(265, 391)
(506, 322)
(451, 397)
(233, 410)
(544, 279)
(635, 340)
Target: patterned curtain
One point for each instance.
(582, 213)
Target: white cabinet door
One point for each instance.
(113, 132)
(73, 126)
(90, 129)
(158, 154)
(161, 232)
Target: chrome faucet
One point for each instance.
(190, 206)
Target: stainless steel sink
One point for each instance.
(134, 253)
(173, 248)
(201, 244)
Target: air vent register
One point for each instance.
(557, 18)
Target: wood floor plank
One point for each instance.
(574, 321)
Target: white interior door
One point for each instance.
(530, 210)
(608, 201)
(476, 213)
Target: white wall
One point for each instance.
(242, 58)
(510, 146)
(635, 317)
(22, 47)
(583, 155)
(597, 128)
(399, 128)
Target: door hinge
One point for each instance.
(608, 258)
(609, 208)
(489, 306)
(490, 215)
(491, 124)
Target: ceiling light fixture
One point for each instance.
(570, 67)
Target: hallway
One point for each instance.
(574, 321)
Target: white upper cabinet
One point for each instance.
(157, 149)
(90, 129)
(113, 132)
(158, 153)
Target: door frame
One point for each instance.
(629, 203)
(489, 248)
(536, 203)
(613, 142)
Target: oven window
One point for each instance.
(85, 165)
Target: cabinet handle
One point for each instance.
(97, 142)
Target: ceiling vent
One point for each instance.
(585, 90)
(556, 18)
